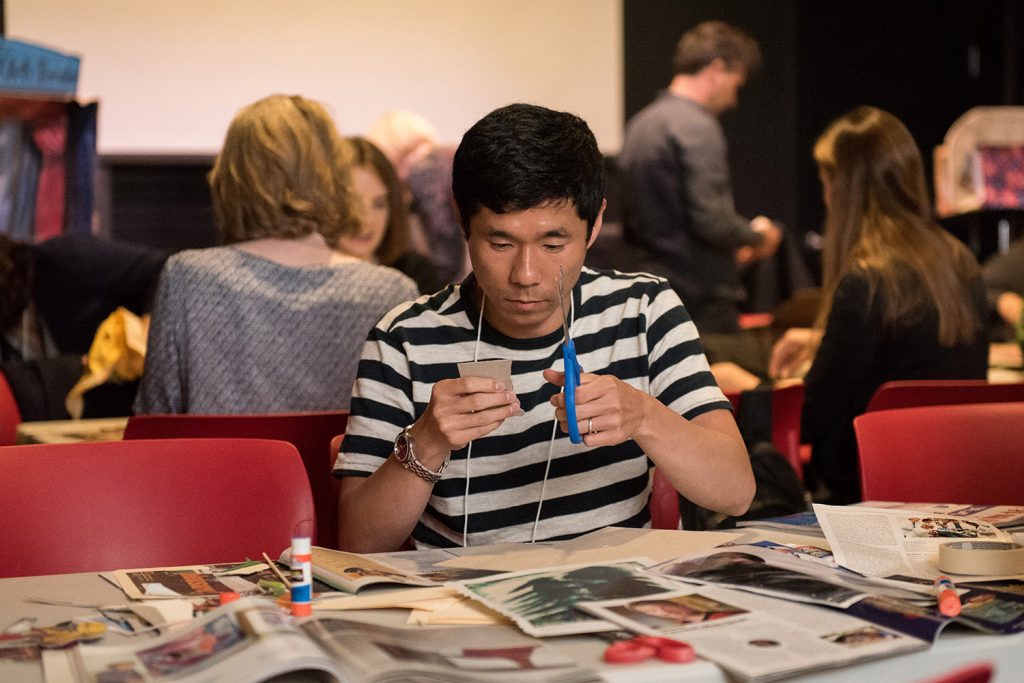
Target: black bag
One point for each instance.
(779, 490)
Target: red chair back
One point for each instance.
(787, 405)
(311, 433)
(92, 506)
(933, 392)
(10, 415)
(969, 453)
(663, 503)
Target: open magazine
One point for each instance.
(753, 636)
(889, 543)
(253, 640)
(351, 571)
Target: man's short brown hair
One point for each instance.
(283, 172)
(711, 40)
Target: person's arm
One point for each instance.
(707, 194)
(793, 352)
(703, 458)
(378, 513)
(160, 390)
(1010, 305)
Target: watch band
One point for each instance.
(405, 453)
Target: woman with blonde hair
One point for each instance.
(383, 236)
(274, 320)
(901, 297)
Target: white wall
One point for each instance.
(170, 74)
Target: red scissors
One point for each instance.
(641, 648)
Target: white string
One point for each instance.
(554, 430)
(469, 448)
(551, 443)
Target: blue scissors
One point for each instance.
(571, 366)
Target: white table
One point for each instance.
(955, 647)
(71, 431)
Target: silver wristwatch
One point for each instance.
(405, 453)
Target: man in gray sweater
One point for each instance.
(679, 204)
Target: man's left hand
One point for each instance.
(608, 411)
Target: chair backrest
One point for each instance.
(968, 453)
(933, 392)
(91, 506)
(10, 415)
(663, 504)
(786, 408)
(311, 433)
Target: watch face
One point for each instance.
(402, 447)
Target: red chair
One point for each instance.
(92, 506)
(663, 503)
(311, 433)
(933, 392)
(786, 405)
(969, 453)
(10, 415)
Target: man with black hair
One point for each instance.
(679, 204)
(456, 460)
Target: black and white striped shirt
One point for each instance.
(632, 326)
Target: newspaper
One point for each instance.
(753, 636)
(897, 543)
(253, 640)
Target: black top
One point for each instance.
(421, 270)
(79, 280)
(857, 354)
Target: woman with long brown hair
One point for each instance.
(383, 236)
(901, 297)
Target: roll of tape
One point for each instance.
(994, 558)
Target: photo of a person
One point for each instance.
(944, 527)
(743, 570)
(193, 650)
(860, 636)
(684, 609)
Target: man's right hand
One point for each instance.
(459, 411)
(771, 238)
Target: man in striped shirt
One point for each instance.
(453, 461)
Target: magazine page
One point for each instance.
(778, 571)
(753, 636)
(247, 640)
(891, 543)
(1001, 516)
(542, 601)
(799, 522)
(202, 581)
(369, 652)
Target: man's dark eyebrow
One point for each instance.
(504, 234)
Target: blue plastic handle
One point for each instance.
(572, 380)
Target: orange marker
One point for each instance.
(945, 593)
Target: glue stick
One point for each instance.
(302, 589)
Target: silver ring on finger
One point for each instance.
(590, 426)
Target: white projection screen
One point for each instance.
(170, 74)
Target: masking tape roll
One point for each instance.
(995, 558)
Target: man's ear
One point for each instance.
(458, 216)
(597, 224)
